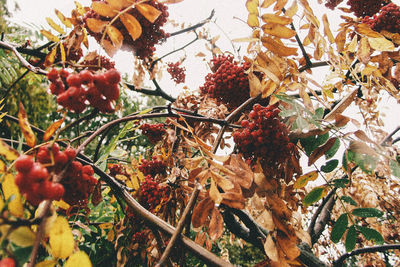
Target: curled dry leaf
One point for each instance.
(132, 25)
(343, 104)
(288, 245)
(242, 173)
(52, 129)
(321, 150)
(216, 226)
(115, 35)
(327, 29)
(233, 200)
(278, 48)
(278, 206)
(201, 212)
(273, 18)
(221, 181)
(278, 30)
(265, 220)
(25, 126)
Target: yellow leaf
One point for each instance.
(52, 129)
(132, 25)
(96, 25)
(46, 263)
(252, 20)
(273, 18)
(280, 4)
(10, 189)
(270, 249)
(340, 40)
(50, 36)
(381, 44)
(80, 259)
(252, 6)
(327, 29)
(51, 57)
(267, 3)
(115, 36)
(81, 10)
(304, 179)
(278, 30)
(149, 12)
(292, 10)
(278, 48)
(364, 51)
(25, 126)
(62, 52)
(61, 204)
(61, 239)
(106, 226)
(104, 9)
(63, 19)
(255, 85)
(8, 152)
(366, 30)
(22, 237)
(55, 26)
(110, 235)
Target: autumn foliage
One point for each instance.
(266, 155)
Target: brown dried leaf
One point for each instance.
(200, 238)
(116, 4)
(363, 136)
(201, 212)
(109, 47)
(115, 35)
(278, 206)
(97, 197)
(214, 193)
(96, 25)
(361, 148)
(52, 129)
(288, 245)
(278, 48)
(255, 85)
(340, 40)
(104, 9)
(26, 127)
(132, 25)
(216, 226)
(234, 200)
(149, 12)
(278, 30)
(343, 104)
(341, 120)
(266, 221)
(327, 29)
(221, 181)
(366, 30)
(321, 150)
(273, 18)
(270, 249)
(243, 175)
(280, 4)
(364, 51)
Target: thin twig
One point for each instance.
(339, 262)
(14, 83)
(191, 28)
(180, 225)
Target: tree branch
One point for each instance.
(191, 28)
(339, 262)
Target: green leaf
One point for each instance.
(315, 195)
(339, 228)
(395, 168)
(367, 212)
(340, 183)
(332, 151)
(351, 238)
(319, 113)
(312, 142)
(371, 234)
(330, 166)
(344, 161)
(349, 200)
(367, 163)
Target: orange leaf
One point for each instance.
(117, 4)
(104, 9)
(51, 57)
(115, 36)
(132, 25)
(280, 4)
(214, 193)
(267, 3)
(321, 150)
(52, 129)
(96, 25)
(26, 127)
(201, 212)
(233, 200)
(278, 48)
(343, 104)
(327, 29)
(364, 51)
(340, 40)
(288, 245)
(341, 120)
(216, 227)
(221, 181)
(273, 18)
(149, 12)
(278, 30)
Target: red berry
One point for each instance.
(87, 169)
(70, 152)
(52, 75)
(86, 76)
(111, 92)
(24, 163)
(61, 159)
(74, 80)
(7, 262)
(112, 76)
(38, 173)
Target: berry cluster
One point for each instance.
(78, 181)
(152, 167)
(387, 19)
(33, 181)
(152, 33)
(362, 8)
(98, 62)
(264, 136)
(229, 83)
(139, 237)
(74, 90)
(331, 4)
(117, 169)
(177, 73)
(154, 132)
(152, 194)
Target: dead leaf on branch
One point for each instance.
(149, 12)
(271, 249)
(132, 25)
(201, 212)
(321, 150)
(25, 126)
(288, 245)
(242, 173)
(278, 30)
(273, 18)
(277, 47)
(216, 226)
(52, 129)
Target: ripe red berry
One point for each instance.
(24, 163)
(38, 173)
(86, 76)
(7, 262)
(52, 75)
(112, 76)
(74, 80)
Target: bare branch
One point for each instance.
(191, 28)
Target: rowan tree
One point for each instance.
(262, 156)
